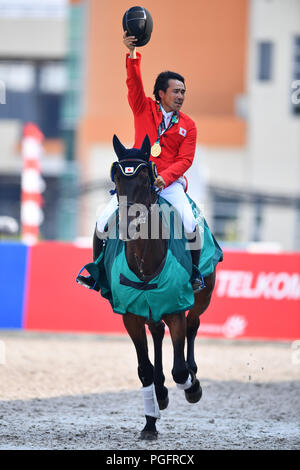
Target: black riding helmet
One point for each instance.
(137, 21)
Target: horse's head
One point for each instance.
(133, 175)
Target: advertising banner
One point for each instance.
(13, 273)
(256, 296)
(55, 302)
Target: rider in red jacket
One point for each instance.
(178, 143)
(172, 135)
(173, 139)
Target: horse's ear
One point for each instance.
(119, 148)
(146, 147)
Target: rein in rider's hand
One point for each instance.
(159, 182)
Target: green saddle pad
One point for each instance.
(168, 292)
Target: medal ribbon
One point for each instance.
(162, 127)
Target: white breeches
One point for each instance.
(174, 194)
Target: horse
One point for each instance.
(134, 175)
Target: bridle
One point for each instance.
(138, 165)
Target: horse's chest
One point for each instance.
(168, 292)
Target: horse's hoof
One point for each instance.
(162, 404)
(148, 435)
(194, 393)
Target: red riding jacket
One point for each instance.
(178, 143)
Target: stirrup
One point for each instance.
(198, 284)
(87, 281)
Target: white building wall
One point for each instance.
(273, 131)
(32, 38)
(224, 166)
(279, 226)
(10, 132)
(33, 28)
(270, 160)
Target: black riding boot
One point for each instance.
(89, 281)
(97, 246)
(196, 280)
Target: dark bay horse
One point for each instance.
(133, 178)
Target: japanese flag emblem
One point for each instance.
(182, 131)
(129, 170)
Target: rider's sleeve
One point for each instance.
(136, 94)
(183, 159)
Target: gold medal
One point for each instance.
(156, 149)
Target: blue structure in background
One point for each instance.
(13, 270)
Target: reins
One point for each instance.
(141, 261)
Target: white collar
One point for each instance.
(165, 114)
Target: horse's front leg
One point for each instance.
(157, 331)
(184, 377)
(177, 326)
(202, 301)
(135, 327)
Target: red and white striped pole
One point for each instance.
(32, 184)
